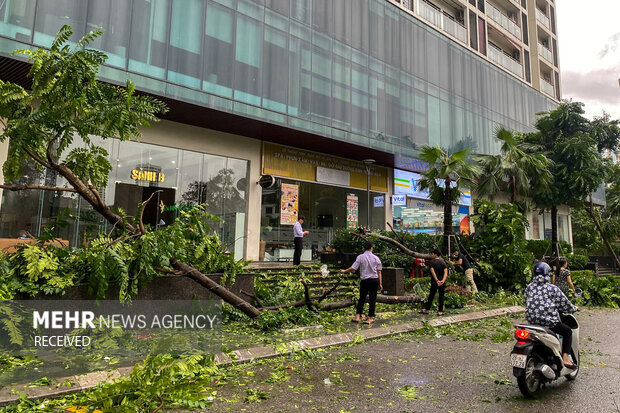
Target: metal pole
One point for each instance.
(368, 196)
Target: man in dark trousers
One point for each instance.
(370, 273)
(298, 233)
(439, 275)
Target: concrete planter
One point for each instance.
(393, 281)
(170, 287)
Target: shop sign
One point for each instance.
(379, 201)
(289, 204)
(296, 163)
(332, 176)
(147, 176)
(399, 200)
(408, 183)
(352, 211)
(267, 181)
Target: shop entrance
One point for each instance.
(156, 214)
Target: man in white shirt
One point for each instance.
(370, 274)
(298, 233)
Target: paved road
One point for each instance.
(427, 373)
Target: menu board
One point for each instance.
(289, 204)
(352, 211)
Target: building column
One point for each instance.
(252, 239)
(389, 215)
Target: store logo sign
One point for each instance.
(399, 200)
(148, 176)
(379, 201)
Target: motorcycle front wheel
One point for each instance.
(529, 382)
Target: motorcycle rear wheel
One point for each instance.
(529, 382)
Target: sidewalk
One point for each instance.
(74, 384)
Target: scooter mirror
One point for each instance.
(578, 292)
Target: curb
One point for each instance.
(11, 394)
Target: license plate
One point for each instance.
(518, 360)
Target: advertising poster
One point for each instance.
(352, 211)
(289, 204)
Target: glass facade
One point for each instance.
(361, 71)
(176, 178)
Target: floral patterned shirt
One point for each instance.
(544, 301)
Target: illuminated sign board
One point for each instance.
(147, 176)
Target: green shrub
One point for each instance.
(498, 245)
(453, 300)
(603, 291)
(540, 247)
(577, 262)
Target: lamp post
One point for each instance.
(367, 163)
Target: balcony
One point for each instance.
(542, 18)
(547, 87)
(502, 58)
(545, 53)
(442, 20)
(500, 18)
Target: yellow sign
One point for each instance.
(150, 176)
(301, 164)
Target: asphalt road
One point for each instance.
(451, 372)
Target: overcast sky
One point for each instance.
(589, 44)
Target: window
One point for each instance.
(149, 37)
(185, 42)
(113, 15)
(16, 19)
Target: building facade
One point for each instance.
(295, 94)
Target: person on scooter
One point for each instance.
(544, 304)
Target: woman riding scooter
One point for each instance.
(544, 303)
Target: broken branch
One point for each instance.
(41, 187)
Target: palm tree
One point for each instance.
(446, 175)
(519, 170)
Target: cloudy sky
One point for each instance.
(589, 45)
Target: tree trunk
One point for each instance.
(555, 251)
(222, 292)
(447, 216)
(590, 211)
(513, 193)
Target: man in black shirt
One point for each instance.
(463, 262)
(439, 275)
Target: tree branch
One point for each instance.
(254, 297)
(37, 158)
(140, 223)
(4, 124)
(307, 294)
(364, 234)
(41, 187)
(399, 236)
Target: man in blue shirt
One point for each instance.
(298, 233)
(370, 274)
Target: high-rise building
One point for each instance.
(298, 93)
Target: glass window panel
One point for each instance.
(53, 14)
(149, 37)
(275, 70)
(185, 42)
(16, 19)
(219, 51)
(113, 16)
(248, 60)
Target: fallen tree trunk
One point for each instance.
(590, 210)
(222, 292)
(363, 233)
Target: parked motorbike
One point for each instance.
(536, 358)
